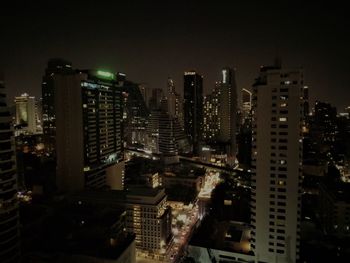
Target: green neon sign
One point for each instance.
(105, 74)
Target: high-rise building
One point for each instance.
(276, 164)
(193, 108)
(39, 115)
(246, 104)
(25, 120)
(9, 223)
(88, 116)
(154, 101)
(306, 101)
(211, 123)
(174, 101)
(135, 112)
(165, 136)
(227, 99)
(54, 66)
(144, 92)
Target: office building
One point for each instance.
(276, 164)
(165, 136)
(9, 222)
(323, 128)
(211, 123)
(88, 115)
(227, 115)
(39, 115)
(193, 108)
(144, 92)
(246, 104)
(25, 121)
(54, 66)
(135, 112)
(306, 101)
(154, 101)
(174, 102)
(147, 215)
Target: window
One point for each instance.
(282, 147)
(284, 97)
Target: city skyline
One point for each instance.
(174, 132)
(140, 39)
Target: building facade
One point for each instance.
(276, 164)
(25, 120)
(211, 123)
(9, 222)
(228, 111)
(54, 66)
(88, 116)
(193, 108)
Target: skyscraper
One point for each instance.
(135, 112)
(174, 101)
(154, 101)
(193, 108)
(88, 110)
(54, 66)
(211, 124)
(276, 164)
(228, 111)
(25, 114)
(246, 104)
(9, 223)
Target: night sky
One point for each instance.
(151, 40)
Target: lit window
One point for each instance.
(283, 119)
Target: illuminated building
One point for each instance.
(246, 104)
(147, 214)
(211, 124)
(227, 106)
(193, 108)
(276, 164)
(135, 112)
(306, 101)
(324, 127)
(25, 120)
(174, 102)
(39, 115)
(9, 223)
(149, 218)
(165, 136)
(54, 66)
(88, 116)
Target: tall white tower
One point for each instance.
(276, 164)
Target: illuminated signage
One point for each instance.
(105, 74)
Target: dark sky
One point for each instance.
(150, 40)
